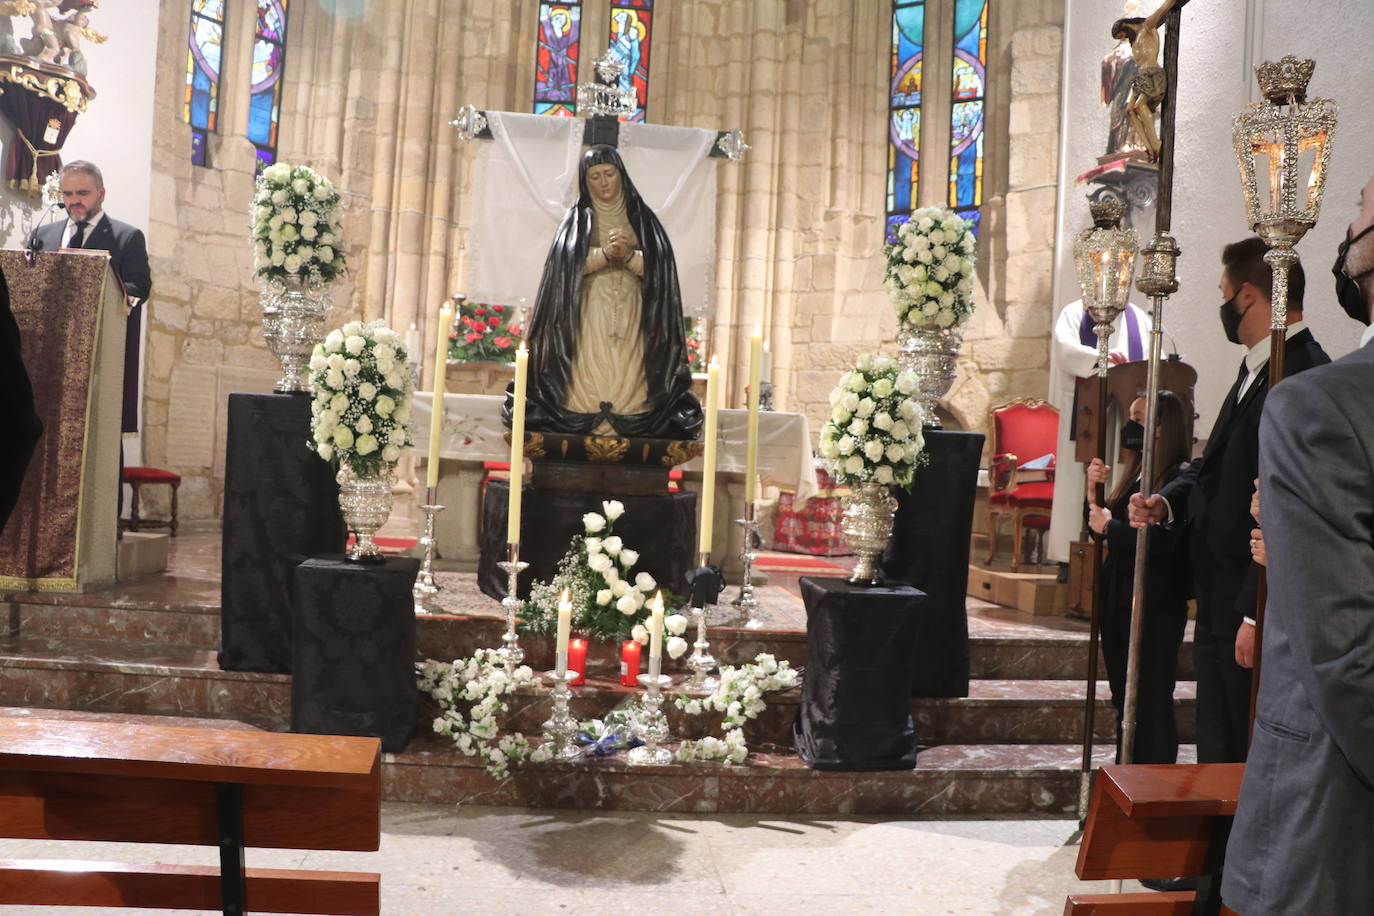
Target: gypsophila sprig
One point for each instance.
(930, 269)
(470, 693)
(295, 223)
(361, 385)
(739, 697)
(874, 431)
(610, 600)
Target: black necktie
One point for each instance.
(79, 238)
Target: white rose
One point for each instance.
(866, 407)
(334, 378)
(846, 445)
(279, 197)
(593, 522)
(884, 363)
(277, 173)
(335, 361)
(839, 414)
(325, 451)
(645, 582)
(945, 318)
(367, 391)
(854, 464)
(352, 367)
(951, 264)
(933, 289)
(829, 448)
(290, 233)
(925, 224)
(930, 308)
(620, 588)
(317, 361)
(309, 233)
(612, 545)
(909, 254)
(851, 402)
(925, 257)
(367, 444)
(599, 562)
(946, 300)
(384, 350)
(593, 545)
(895, 453)
(627, 604)
(391, 453)
(940, 274)
(354, 344)
(395, 380)
(384, 406)
(323, 191)
(288, 215)
(939, 252)
(364, 424)
(676, 646)
(292, 263)
(309, 218)
(325, 254)
(343, 436)
(324, 431)
(278, 258)
(603, 597)
(676, 624)
(610, 576)
(339, 402)
(629, 557)
(865, 362)
(858, 426)
(937, 237)
(353, 329)
(882, 388)
(305, 252)
(900, 431)
(873, 450)
(333, 341)
(403, 411)
(327, 238)
(920, 243)
(883, 421)
(301, 186)
(639, 634)
(883, 474)
(906, 382)
(613, 508)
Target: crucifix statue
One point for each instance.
(1148, 87)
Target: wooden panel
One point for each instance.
(1158, 790)
(1115, 846)
(69, 806)
(55, 883)
(1171, 903)
(205, 754)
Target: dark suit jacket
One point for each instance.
(1303, 835)
(1212, 497)
(126, 245)
(17, 415)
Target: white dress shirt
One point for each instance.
(1258, 355)
(69, 230)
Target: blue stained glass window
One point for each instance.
(555, 67)
(904, 110)
(630, 40)
(203, 63)
(269, 58)
(968, 106)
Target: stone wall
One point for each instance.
(800, 220)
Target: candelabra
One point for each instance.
(561, 726)
(653, 724)
(701, 662)
(425, 587)
(512, 566)
(746, 600)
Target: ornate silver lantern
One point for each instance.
(1105, 258)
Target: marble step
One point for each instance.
(159, 679)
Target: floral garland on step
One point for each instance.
(739, 697)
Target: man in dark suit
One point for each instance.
(88, 226)
(1212, 498)
(1303, 833)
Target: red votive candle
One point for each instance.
(577, 660)
(629, 663)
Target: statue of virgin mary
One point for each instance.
(606, 340)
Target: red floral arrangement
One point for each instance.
(484, 333)
(693, 340)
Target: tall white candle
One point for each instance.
(766, 367)
(436, 417)
(708, 464)
(564, 626)
(413, 344)
(517, 445)
(656, 634)
(751, 453)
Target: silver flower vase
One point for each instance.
(930, 352)
(292, 323)
(868, 516)
(366, 504)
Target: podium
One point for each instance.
(70, 308)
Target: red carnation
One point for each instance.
(480, 326)
(479, 311)
(467, 321)
(502, 342)
(473, 338)
(498, 309)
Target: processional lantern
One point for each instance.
(1283, 148)
(1105, 257)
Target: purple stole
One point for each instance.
(1087, 336)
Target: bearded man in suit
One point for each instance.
(1212, 498)
(1303, 832)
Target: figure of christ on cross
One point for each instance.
(1150, 83)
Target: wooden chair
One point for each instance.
(137, 478)
(104, 781)
(1154, 821)
(1020, 431)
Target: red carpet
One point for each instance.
(796, 562)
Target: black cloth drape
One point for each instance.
(661, 528)
(930, 550)
(674, 412)
(353, 650)
(855, 711)
(19, 417)
(281, 505)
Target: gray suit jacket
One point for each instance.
(1303, 839)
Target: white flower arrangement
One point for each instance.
(610, 600)
(362, 386)
(739, 697)
(295, 227)
(470, 693)
(874, 431)
(930, 269)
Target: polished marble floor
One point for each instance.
(470, 860)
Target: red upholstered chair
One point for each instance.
(1021, 431)
(136, 478)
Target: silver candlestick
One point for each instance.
(561, 726)
(512, 566)
(701, 662)
(425, 587)
(653, 724)
(746, 600)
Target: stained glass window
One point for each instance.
(904, 111)
(202, 73)
(269, 57)
(555, 68)
(631, 35)
(968, 99)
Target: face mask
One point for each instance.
(1230, 320)
(1348, 292)
(1133, 436)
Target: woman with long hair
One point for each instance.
(1166, 581)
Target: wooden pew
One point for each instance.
(103, 781)
(1153, 821)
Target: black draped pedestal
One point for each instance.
(930, 550)
(281, 505)
(855, 711)
(661, 527)
(353, 650)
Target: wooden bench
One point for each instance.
(103, 781)
(1155, 821)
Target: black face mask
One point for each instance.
(1230, 320)
(1133, 436)
(1348, 292)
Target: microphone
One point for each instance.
(35, 243)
